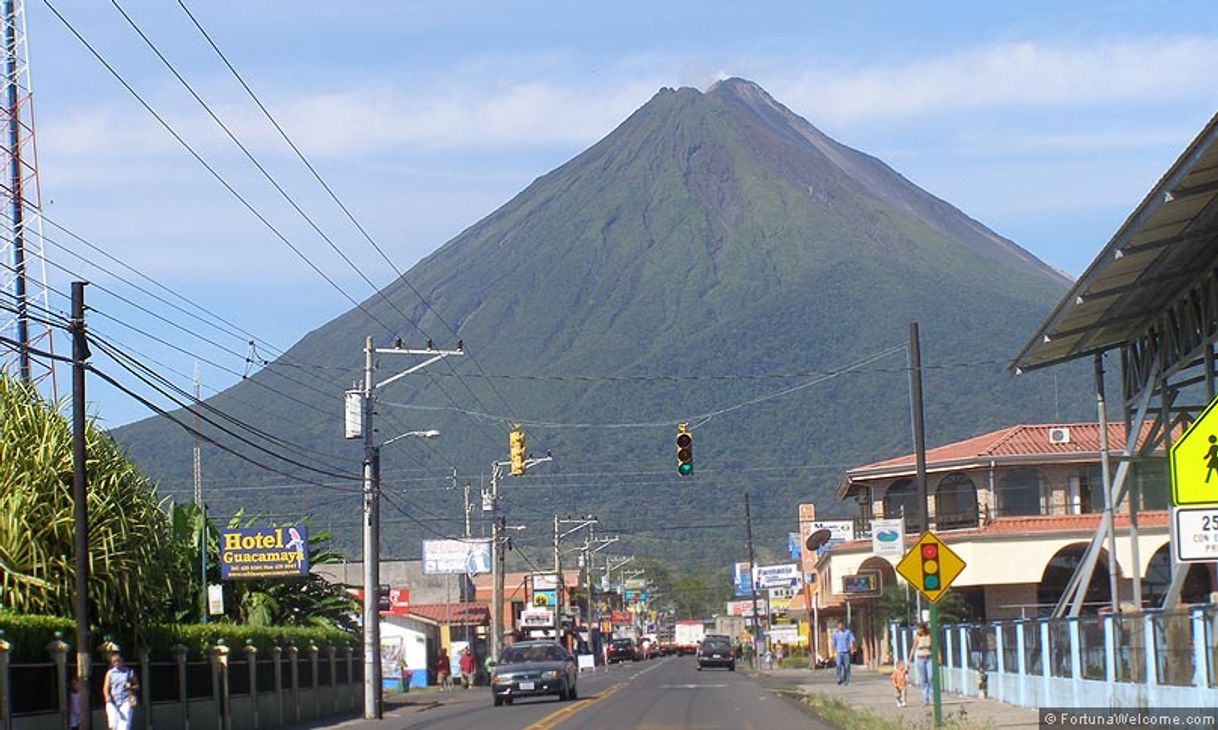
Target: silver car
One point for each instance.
(532, 668)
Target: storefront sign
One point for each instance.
(264, 552)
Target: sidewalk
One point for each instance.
(872, 690)
(397, 704)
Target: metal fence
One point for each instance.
(226, 690)
(1144, 660)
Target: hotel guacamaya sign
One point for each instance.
(264, 552)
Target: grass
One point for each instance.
(843, 716)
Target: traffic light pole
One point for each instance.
(498, 549)
(748, 521)
(915, 402)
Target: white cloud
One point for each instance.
(1027, 75)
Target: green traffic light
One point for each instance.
(685, 469)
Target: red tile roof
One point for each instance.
(452, 613)
(1014, 443)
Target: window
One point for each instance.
(955, 503)
(1019, 493)
(902, 499)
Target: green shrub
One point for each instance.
(30, 635)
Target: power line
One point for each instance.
(334, 196)
(214, 173)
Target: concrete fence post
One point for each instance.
(145, 690)
(353, 688)
(313, 652)
(294, 672)
(331, 654)
(6, 687)
(58, 649)
(1150, 642)
(219, 675)
(277, 658)
(179, 658)
(251, 658)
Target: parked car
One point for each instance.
(716, 651)
(532, 668)
(623, 650)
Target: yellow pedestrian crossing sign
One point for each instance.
(930, 566)
(1194, 462)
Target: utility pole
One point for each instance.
(372, 550)
(580, 523)
(497, 565)
(919, 433)
(80, 492)
(748, 520)
(373, 691)
(198, 479)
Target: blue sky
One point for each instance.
(1046, 121)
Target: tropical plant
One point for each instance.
(308, 601)
(127, 582)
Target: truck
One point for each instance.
(687, 636)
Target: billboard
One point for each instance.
(533, 618)
(839, 531)
(251, 553)
(456, 557)
(777, 576)
(741, 608)
(807, 558)
(741, 580)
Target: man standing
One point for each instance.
(468, 665)
(843, 647)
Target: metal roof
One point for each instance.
(1169, 242)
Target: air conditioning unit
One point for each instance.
(1059, 435)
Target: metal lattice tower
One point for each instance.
(24, 297)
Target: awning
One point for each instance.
(1168, 243)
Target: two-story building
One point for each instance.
(1019, 505)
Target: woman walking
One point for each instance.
(920, 656)
(118, 690)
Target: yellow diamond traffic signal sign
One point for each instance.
(930, 566)
(1194, 462)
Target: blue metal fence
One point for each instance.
(1144, 660)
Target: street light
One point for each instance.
(429, 434)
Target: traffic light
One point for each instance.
(516, 451)
(382, 597)
(931, 580)
(685, 451)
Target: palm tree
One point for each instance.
(128, 580)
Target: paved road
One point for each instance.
(655, 695)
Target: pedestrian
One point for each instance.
(920, 655)
(119, 688)
(779, 653)
(468, 665)
(444, 671)
(74, 702)
(843, 647)
(900, 677)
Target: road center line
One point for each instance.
(556, 718)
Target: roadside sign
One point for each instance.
(1194, 462)
(930, 566)
(888, 537)
(1196, 534)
